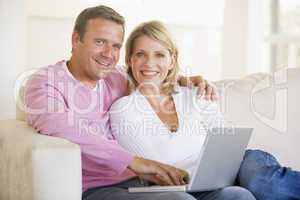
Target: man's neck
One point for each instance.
(73, 69)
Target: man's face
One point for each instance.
(97, 53)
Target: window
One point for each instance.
(284, 37)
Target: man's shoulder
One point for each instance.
(116, 77)
(117, 84)
(52, 72)
(57, 68)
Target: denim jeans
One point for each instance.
(261, 174)
(119, 192)
(260, 177)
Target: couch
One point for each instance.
(39, 167)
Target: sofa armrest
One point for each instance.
(36, 166)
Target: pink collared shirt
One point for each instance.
(59, 105)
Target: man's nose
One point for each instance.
(107, 51)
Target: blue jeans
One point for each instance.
(261, 174)
(260, 177)
(119, 192)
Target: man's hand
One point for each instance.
(158, 173)
(205, 89)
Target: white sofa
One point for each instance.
(38, 167)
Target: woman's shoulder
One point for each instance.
(124, 103)
(120, 102)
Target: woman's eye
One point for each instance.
(161, 55)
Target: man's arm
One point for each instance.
(205, 89)
(49, 114)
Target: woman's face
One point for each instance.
(150, 61)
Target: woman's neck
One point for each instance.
(163, 105)
(157, 98)
(152, 92)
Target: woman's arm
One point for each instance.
(127, 128)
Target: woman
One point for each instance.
(167, 123)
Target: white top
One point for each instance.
(138, 129)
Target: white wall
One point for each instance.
(12, 51)
(49, 40)
(50, 26)
(212, 42)
(244, 45)
(235, 39)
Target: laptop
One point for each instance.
(217, 164)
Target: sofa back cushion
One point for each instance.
(269, 104)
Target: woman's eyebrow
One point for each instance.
(161, 51)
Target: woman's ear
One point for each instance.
(128, 62)
(173, 61)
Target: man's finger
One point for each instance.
(175, 176)
(201, 89)
(209, 90)
(189, 83)
(152, 178)
(214, 94)
(164, 176)
(185, 176)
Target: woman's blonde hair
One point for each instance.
(156, 31)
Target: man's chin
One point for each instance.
(104, 74)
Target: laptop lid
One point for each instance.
(220, 158)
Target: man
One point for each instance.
(70, 99)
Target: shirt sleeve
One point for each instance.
(48, 112)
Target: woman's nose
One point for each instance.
(150, 62)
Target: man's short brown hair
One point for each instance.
(96, 12)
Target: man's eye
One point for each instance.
(99, 42)
(139, 54)
(117, 47)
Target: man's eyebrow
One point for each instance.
(100, 39)
(140, 50)
(117, 44)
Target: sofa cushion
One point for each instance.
(268, 103)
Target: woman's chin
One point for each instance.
(150, 85)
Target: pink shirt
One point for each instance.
(59, 105)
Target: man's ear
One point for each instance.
(75, 39)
